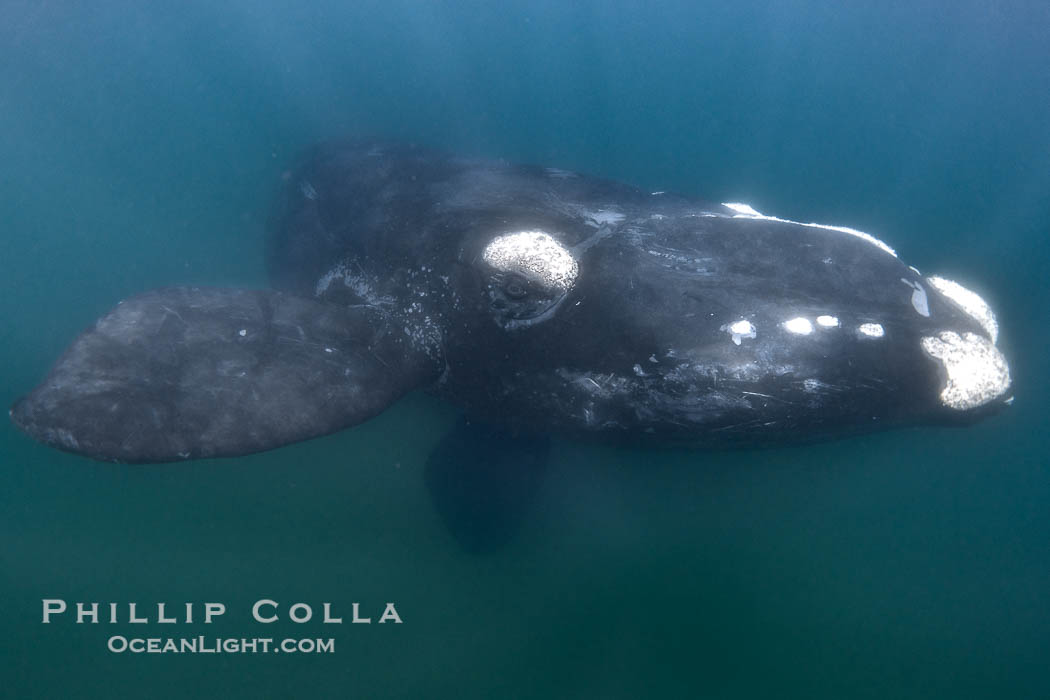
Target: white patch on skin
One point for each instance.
(741, 208)
(812, 385)
(65, 437)
(601, 234)
(970, 302)
(740, 329)
(871, 330)
(746, 211)
(326, 280)
(356, 282)
(828, 321)
(534, 254)
(977, 372)
(918, 298)
(242, 332)
(638, 370)
(799, 326)
(604, 217)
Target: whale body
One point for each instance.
(536, 299)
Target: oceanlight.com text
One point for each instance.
(119, 644)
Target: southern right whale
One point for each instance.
(538, 300)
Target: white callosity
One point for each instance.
(536, 255)
(871, 330)
(977, 372)
(970, 302)
(828, 321)
(740, 329)
(746, 211)
(799, 326)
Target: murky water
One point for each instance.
(141, 146)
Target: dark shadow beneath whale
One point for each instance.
(483, 480)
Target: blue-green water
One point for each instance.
(140, 147)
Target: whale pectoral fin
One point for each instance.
(184, 373)
(483, 480)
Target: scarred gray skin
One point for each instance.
(379, 255)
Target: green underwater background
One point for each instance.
(140, 146)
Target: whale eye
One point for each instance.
(516, 287)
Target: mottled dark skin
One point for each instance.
(659, 283)
(379, 253)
